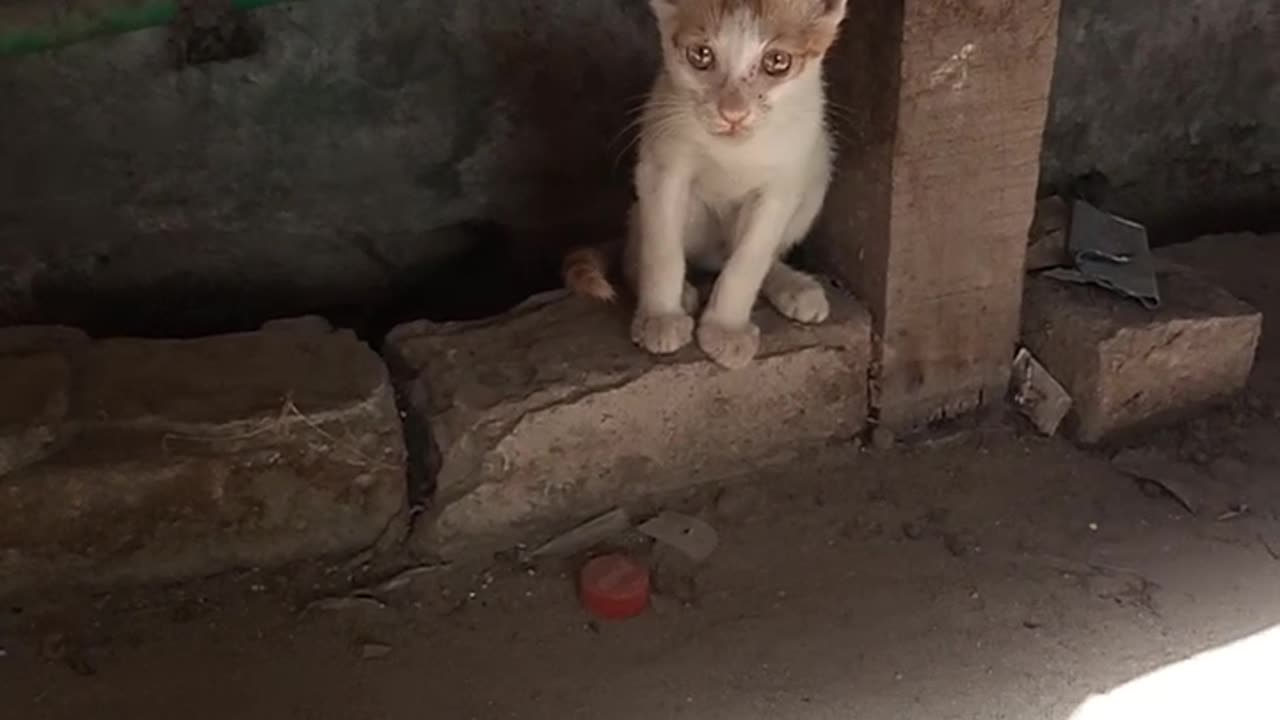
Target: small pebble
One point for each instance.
(956, 544)
(374, 651)
(912, 530)
(882, 438)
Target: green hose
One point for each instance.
(24, 30)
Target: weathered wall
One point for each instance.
(1175, 104)
(336, 164)
(360, 149)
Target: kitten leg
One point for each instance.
(796, 295)
(690, 299)
(791, 292)
(661, 325)
(726, 332)
(704, 246)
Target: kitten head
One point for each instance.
(734, 60)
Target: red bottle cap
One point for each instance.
(614, 587)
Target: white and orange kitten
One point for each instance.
(734, 162)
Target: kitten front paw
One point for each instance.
(662, 334)
(732, 348)
(804, 302)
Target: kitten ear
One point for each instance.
(832, 13)
(827, 26)
(664, 10)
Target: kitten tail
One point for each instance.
(586, 273)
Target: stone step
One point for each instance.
(550, 412)
(155, 460)
(1128, 368)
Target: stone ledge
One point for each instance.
(550, 412)
(1128, 368)
(33, 407)
(159, 460)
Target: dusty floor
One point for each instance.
(986, 574)
(992, 576)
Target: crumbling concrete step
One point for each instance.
(550, 412)
(155, 460)
(1128, 368)
(1244, 264)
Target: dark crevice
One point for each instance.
(492, 270)
(1260, 217)
(498, 271)
(422, 460)
(1172, 226)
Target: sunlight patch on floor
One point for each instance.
(1240, 681)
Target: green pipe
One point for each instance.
(25, 30)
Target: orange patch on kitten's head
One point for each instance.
(806, 27)
(734, 61)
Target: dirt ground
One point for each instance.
(981, 574)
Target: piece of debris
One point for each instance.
(1110, 252)
(1270, 544)
(958, 544)
(614, 587)
(374, 651)
(1037, 394)
(402, 579)
(57, 648)
(585, 536)
(1047, 240)
(882, 438)
(346, 602)
(372, 597)
(53, 647)
(1178, 480)
(932, 523)
(861, 527)
(1233, 512)
(690, 535)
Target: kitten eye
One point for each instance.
(700, 57)
(776, 62)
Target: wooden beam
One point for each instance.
(939, 106)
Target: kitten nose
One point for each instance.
(733, 106)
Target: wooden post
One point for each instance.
(939, 106)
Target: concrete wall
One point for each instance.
(373, 141)
(331, 169)
(1175, 104)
